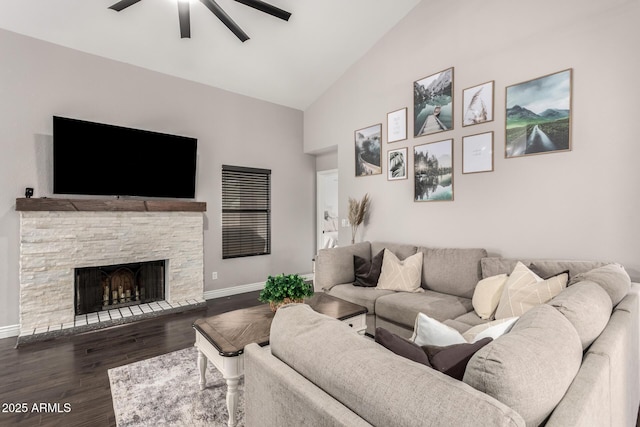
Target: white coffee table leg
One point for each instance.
(232, 400)
(202, 366)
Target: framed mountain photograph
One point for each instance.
(433, 171)
(433, 103)
(538, 115)
(367, 150)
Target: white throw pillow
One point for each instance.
(487, 295)
(525, 290)
(429, 331)
(399, 275)
(493, 329)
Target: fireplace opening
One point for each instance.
(114, 286)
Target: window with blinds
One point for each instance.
(246, 211)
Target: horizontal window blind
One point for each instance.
(246, 211)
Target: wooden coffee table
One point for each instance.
(221, 339)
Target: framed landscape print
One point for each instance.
(397, 164)
(538, 115)
(367, 150)
(433, 103)
(397, 125)
(477, 104)
(433, 171)
(477, 153)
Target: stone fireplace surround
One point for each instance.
(59, 235)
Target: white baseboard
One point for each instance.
(9, 331)
(241, 289)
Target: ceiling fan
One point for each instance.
(185, 23)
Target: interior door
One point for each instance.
(327, 205)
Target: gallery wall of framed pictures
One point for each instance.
(537, 121)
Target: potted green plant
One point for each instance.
(285, 289)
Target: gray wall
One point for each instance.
(38, 80)
(581, 204)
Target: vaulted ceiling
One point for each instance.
(289, 63)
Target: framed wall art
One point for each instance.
(477, 104)
(367, 150)
(433, 103)
(433, 171)
(538, 115)
(397, 164)
(397, 125)
(477, 153)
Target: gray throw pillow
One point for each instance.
(452, 359)
(367, 272)
(401, 346)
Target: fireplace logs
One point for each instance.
(108, 287)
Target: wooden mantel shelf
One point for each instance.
(109, 205)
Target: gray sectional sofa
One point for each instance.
(573, 361)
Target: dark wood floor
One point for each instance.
(73, 370)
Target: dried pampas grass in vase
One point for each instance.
(358, 210)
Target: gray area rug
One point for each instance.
(164, 391)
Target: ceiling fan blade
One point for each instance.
(267, 8)
(226, 19)
(123, 4)
(185, 21)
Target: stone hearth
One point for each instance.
(54, 243)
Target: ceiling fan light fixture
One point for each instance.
(267, 8)
(185, 19)
(123, 4)
(226, 19)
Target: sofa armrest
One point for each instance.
(334, 266)
(276, 395)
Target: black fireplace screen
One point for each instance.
(114, 286)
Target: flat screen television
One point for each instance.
(99, 159)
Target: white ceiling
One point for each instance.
(289, 63)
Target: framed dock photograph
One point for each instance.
(433, 103)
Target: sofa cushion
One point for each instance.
(403, 307)
(399, 275)
(524, 290)
(492, 266)
(587, 306)
(401, 250)
(335, 266)
(401, 347)
(452, 359)
(362, 296)
(613, 278)
(487, 295)
(367, 272)
(381, 387)
(530, 368)
(452, 271)
(471, 319)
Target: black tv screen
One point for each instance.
(99, 159)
